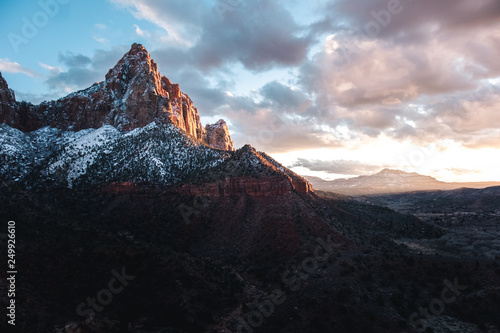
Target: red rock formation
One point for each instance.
(133, 95)
(302, 185)
(228, 187)
(218, 136)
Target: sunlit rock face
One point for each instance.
(132, 95)
(218, 136)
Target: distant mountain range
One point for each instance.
(389, 181)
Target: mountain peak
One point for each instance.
(136, 66)
(136, 48)
(387, 171)
(385, 181)
(132, 95)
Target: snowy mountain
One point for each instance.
(155, 154)
(132, 95)
(159, 153)
(135, 127)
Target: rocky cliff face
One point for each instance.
(218, 136)
(133, 95)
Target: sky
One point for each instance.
(329, 88)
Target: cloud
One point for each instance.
(100, 26)
(100, 39)
(72, 79)
(461, 171)
(284, 97)
(138, 30)
(258, 34)
(178, 18)
(341, 167)
(79, 71)
(421, 77)
(13, 67)
(53, 70)
(36, 98)
(414, 19)
(74, 60)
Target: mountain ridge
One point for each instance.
(390, 181)
(132, 95)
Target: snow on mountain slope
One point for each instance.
(155, 154)
(80, 150)
(158, 153)
(17, 154)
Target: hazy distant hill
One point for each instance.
(389, 181)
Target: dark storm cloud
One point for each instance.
(342, 167)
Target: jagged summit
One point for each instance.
(132, 95)
(136, 66)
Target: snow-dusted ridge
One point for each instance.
(159, 153)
